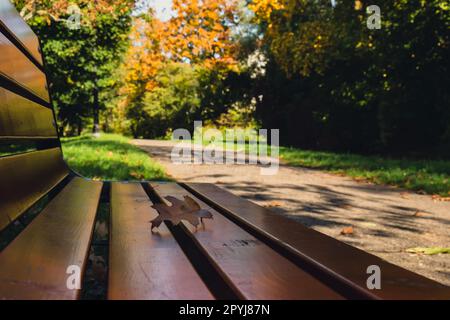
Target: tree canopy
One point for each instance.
(311, 68)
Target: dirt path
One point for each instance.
(386, 221)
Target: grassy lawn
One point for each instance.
(110, 157)
(430, 176)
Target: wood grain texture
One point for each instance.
(20, 117)
(345, 262)
(11, 19)
(16, 66)
(34, 265)
(251, 267)
(25, 178)
(146, 265)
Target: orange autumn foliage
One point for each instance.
(199, 33)
(145, 55)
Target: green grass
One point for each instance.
(110, 157)
(429, 176)
(429, 251)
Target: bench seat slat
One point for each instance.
(145, 265)
(34, 265)
(25, 178)
(20, 117)
(253, 269)
(19, 28)
(340, 259)
(15, 65)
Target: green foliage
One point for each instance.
(110, 157)
(331, 83)
(173, 103)
(183, 94)
(328, 82)
(412, 59)
(81, 64)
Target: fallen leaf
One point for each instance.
(437, 197)
(188, 210)
(404, 195)
(273, 204)
(420, 214)
(347, 230)
(428, 251)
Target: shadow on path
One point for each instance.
(386, 220)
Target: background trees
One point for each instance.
(332, 83)
(178, 71)
(80, 62)
(309, 67)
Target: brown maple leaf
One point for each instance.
(188, 210)
(420, 214)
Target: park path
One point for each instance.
(386, 221)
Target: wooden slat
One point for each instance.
(25, 178)
(34, 265)
(253, 269)
(10, 19)
(346, 263)
(20, 117)
(146, 265)
(16, 66)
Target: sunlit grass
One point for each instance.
(110, 157)
(430, 176)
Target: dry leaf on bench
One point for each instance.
(188, 210)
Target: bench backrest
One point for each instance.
(31, 162)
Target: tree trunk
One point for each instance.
(96, 106)
(79, 126)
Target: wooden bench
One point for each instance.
(51, 216)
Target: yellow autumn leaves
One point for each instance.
(198, 33)
(52, 10)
